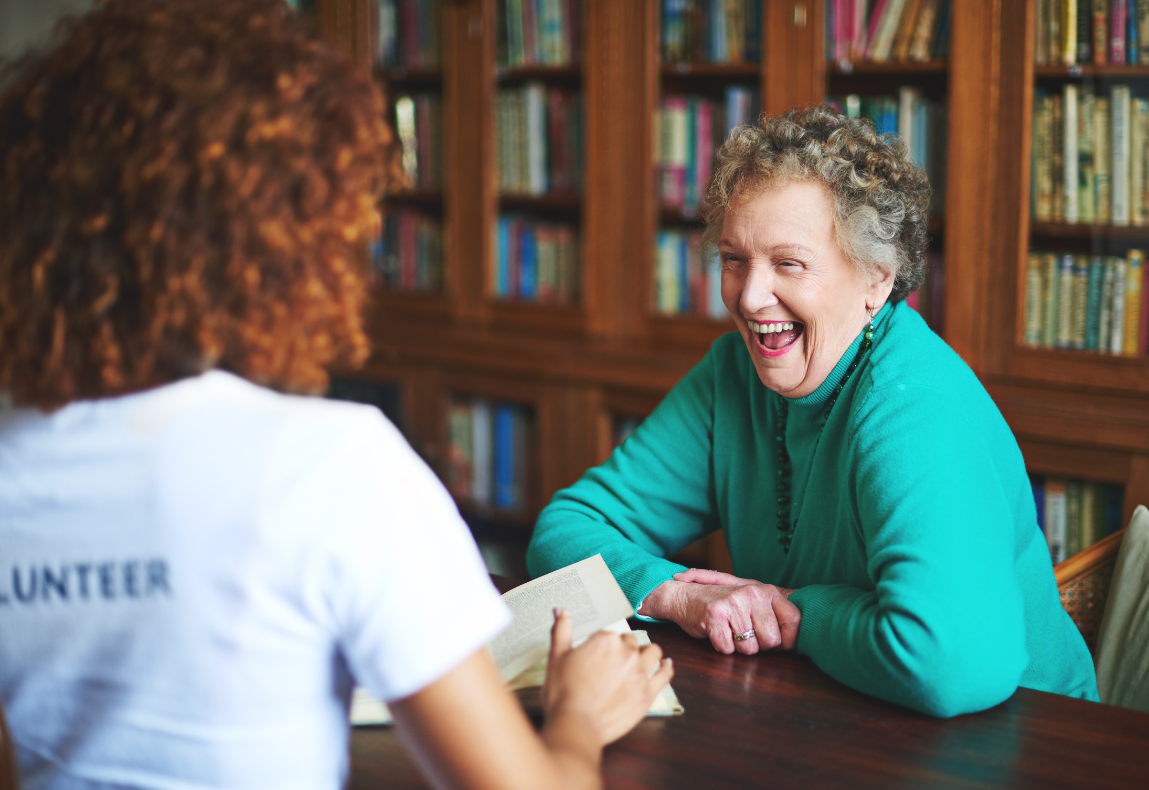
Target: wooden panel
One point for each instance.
(1102, 466)
(469, 165)
(971, 173)
(620, 97)
(1067, 417)
(568, 435)
(793, 68)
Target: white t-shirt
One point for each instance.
(191, 577)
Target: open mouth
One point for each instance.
(774, 336)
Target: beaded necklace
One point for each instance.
(785, 528)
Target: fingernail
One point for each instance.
(558, 610)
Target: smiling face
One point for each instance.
(797, 301)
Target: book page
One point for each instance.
(587, 590)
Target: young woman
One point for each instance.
(194, 564)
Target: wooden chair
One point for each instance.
(1083, 581)
(8, 778)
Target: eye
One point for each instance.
(731, 261)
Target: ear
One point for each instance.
(879, 289)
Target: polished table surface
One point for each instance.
(776, 720)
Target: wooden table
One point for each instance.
(775, 720)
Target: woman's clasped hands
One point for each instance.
(736, 614)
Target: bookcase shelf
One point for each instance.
(895, 68)
(1076, 415)
(1091, 71)
(1062, 230)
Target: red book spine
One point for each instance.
(875, 23)
(1100, 31)
(529, 36)
(556, 142)
(1117, 10)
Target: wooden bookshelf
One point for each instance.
(1076, 415)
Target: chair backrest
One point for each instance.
(1083, 581)
(8, 777)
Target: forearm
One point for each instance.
(570, 740)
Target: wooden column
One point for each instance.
(620, 90)
(972, 173)
(794, 67)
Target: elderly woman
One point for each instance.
(874, 501)
(196, 565)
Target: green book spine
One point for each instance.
(1093, 302)
(1090, 514)
(1052, 298)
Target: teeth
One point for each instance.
(767, 329)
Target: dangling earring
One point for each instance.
(868, 337)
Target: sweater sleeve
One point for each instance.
(651, 498)
(943, 630)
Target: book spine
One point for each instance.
(1091, 514)
(1084, 30)
(1057, 159)
(1117, 12)
(1069, 32)
(528, 263)
(1143, 32)
(1121, 154)
(1105, 310)
(1055, 518)
(906, 26)
(682, 271)
(1100, 32)
(1102, 160)
(1065, 302)
(1117, 311)
(1072, 517)
(1139, 135)
(1134, 269)
(925, 30)
(1093, 302)
(1069, 155)
(1051, 301)
(1086, 198)
(1080, 301)
(1143, 331)
(1033, 300)
(1132, 44)
(1053, 30)
(504, 455)
(483, 453)
(907, 96)
(1038, 487)
(1042, 160)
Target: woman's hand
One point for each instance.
(718, 605)
(608, 681)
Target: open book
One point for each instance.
(588, 591)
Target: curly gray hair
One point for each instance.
(880, 197)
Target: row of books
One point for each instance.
(886, 30)
(691, 128)
(1100, 32)
(535, 261)
(538, 32)
(1090, 303)
(686, 280)
(538, 132)
(1075, 514)
(419, 125)
(919, 121)
(488, 451)
(711, 31)
(407, 33)
(1091, 157)
(408, 252)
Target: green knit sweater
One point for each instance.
(921, 574)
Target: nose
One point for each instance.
(758, 291)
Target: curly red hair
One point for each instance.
(186, 184)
